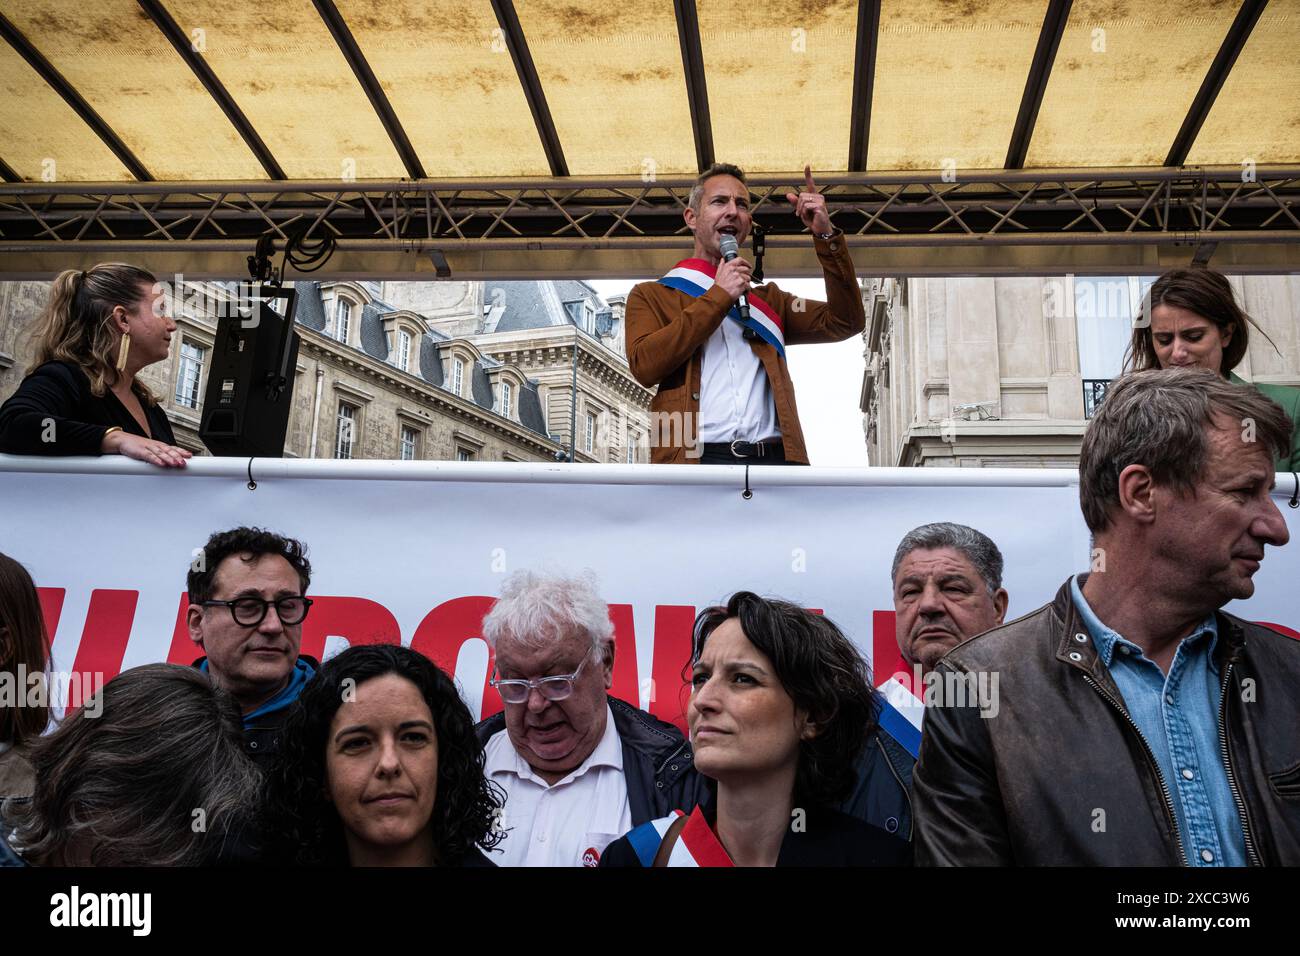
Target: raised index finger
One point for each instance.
(807, 179)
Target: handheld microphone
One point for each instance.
(731, 250)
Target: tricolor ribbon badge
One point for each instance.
(901, 712)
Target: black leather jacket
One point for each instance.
(657, 762)
(1061, 774)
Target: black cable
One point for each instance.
(252, 485)
(308, 255)
(747, 493)
(1295, 495)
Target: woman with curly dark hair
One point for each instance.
(379, 766)
(781, 705)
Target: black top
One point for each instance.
(54, 413)
(827, 838)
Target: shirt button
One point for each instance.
(1207, 856)
(1187, 774)
(695, 395)
(1125, 649)
(1081, 638)
(1169, 699)
(541, 837)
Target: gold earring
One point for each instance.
(123, 350)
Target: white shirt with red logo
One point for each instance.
(566, 824)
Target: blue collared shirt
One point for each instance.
(1178, 715)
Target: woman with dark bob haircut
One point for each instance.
(1191, 318)
(379, 766)
(781, 705)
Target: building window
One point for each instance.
(464, 454)
(632, 439)
(403, 350)
(589, 437)
(345, 431)
(410, 444)
(342, 320)
(457, 375)
(1105, 308)
(507, 399)
(189, 375)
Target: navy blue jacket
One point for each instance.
(882, 793)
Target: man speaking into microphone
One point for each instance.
(716, 347)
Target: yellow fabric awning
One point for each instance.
(779, 82)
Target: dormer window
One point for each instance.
(403, 354)
(582, 313)
(507, 399)
(457, 375)
(342, 319)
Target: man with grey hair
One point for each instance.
(580, 768)
(947, 582)
(1137, 723)
(716, 348)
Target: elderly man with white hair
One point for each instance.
(580, 768)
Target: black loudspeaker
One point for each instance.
(250, 384)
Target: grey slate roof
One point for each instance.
(530, 408)
(528, 307)
(430, 360)
(309, 311)
(480, 386)
(525, 306)
(373, 340)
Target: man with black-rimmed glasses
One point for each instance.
(247, 605)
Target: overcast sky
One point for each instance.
(827, 382)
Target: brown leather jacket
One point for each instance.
(667, 329)
(1025, 786)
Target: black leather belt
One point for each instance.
(746, 449)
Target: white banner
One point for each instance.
(416, 551)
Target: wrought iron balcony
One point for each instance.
(1094, 390)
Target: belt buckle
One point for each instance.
(734, 453)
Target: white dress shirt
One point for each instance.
(568, 823)
(735, 395)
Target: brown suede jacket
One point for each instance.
(1022, 782)
(667, 329)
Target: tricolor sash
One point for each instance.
(697, 844)
(695, 277)
(900, 715)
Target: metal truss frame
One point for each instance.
(617, 226)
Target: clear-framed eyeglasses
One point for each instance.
(552, 688)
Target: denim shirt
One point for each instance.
(1179, 717)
